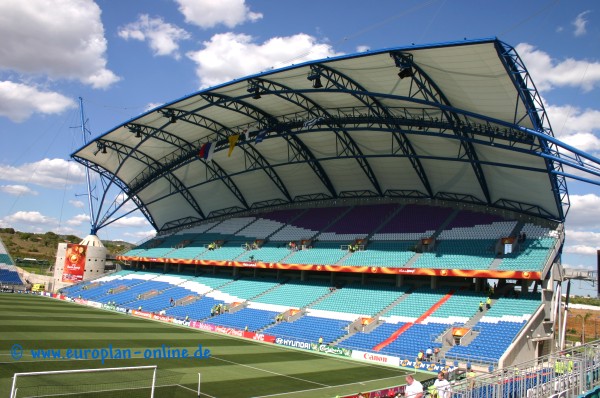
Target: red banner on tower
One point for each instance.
(74, 263)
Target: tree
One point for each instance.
(584, 319)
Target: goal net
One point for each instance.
(129, 382)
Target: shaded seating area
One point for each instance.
(391, 236)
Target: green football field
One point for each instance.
(236, 367)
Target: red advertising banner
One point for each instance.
(74, 263)
(468, 273)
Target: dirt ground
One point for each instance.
(592, 324)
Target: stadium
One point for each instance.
(402, 209)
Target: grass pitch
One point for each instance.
(236, 368)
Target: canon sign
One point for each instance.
(375, 358)
(379, 358)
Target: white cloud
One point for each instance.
(582, 242)
(59, 39)
(131, 222)
(49, 173)
(362, 49)
(152, 105)
(77, 203)
(581, 249)
(18, 190)
(141, 234)
(163, 37)
(64, 230)
(228, 55)
(550, 73)
(78, 220)
(19, 101)
(575, 126)
(580, 23)
(29, 217)
(584, 214)
(210, 13)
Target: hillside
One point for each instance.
(43, 246)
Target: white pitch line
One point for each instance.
(322, 388)
(201, 393)
(270, 371)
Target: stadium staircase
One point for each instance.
(283, 260)
(334, 221)
(408, 325)
(386, 222)
(412, 260)
(447, 222)
(379, 323)
(323, 297)
(396, 302)
(285, 224)
(341, 260)
(515, 232)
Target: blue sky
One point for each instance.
(126, 57)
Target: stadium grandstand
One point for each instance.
(9, 276)
(383, 203)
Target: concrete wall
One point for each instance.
(95, 262)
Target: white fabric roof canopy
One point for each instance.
(456, 127)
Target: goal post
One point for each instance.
(129, 382)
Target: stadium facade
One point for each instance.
(418, 168)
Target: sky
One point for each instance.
(126, 57)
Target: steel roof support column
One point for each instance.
(109, 178)
(154, 170)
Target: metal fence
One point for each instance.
(566, 374)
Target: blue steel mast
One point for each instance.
(85, 132)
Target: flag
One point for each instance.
(246, 135)
(233, 139)
(260, 136)
(312, 122)
(206, 151)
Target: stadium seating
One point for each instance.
(464, 239)
(360, 300)
(9, 275)
(320, 253)
(251, 318)
(392, 254)
(309, 329)
(531, 256)
(328, 311)
(295, 294)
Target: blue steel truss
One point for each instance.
(432, 115)
(536, 113)
(427, 88)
